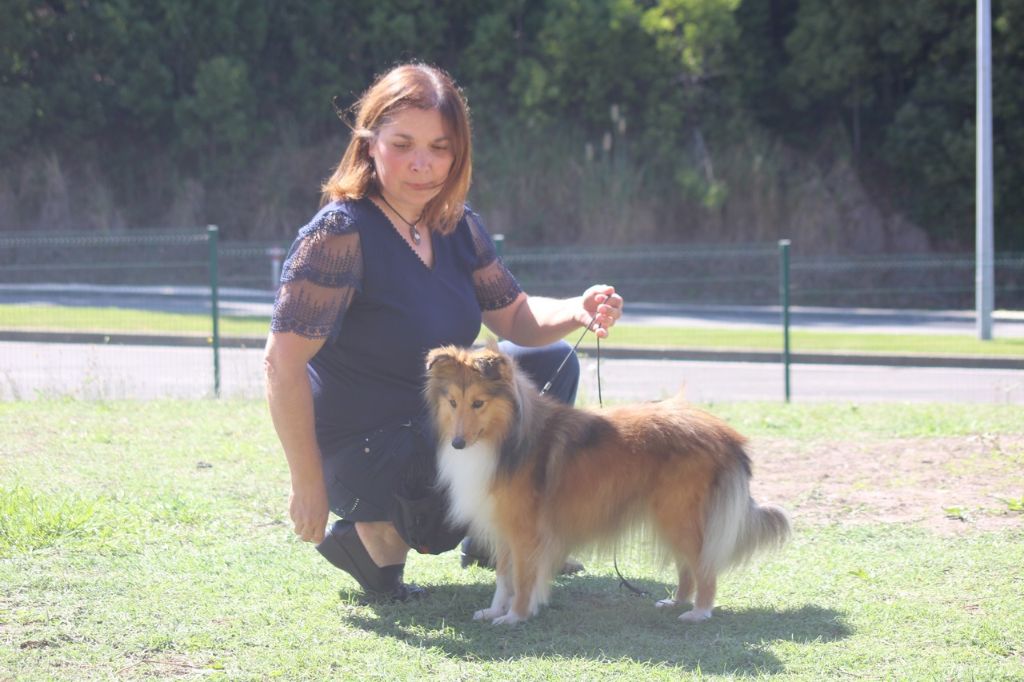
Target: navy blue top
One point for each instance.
(352, 279)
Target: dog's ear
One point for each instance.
(491, 363)
(442, 355)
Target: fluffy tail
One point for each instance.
(735, 526)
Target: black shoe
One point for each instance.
(571, 567)
(473, 554)
(342, 547)
(402, 592)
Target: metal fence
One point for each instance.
(714, 275)
(84, 314)
(660, 274)
(749, 275)
(95, 315)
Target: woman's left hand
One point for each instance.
(601, 302)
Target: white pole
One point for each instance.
(984, 290)
(277, 254)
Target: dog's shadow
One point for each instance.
(590, 616)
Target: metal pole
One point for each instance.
(984, 288)
(499, 249)
(277, 254)
(784, 299)
(212, 233)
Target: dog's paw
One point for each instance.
(666, 603)
(695, 616)
(509, 618)
(488, 614)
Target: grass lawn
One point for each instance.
(149, 540)
(117, 320)
(124, 321)
(811, 341)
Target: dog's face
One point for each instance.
(472, 394)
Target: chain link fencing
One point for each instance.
(108, 316)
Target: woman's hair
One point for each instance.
(409, 86)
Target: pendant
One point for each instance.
(415, 234)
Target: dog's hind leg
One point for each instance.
(685, 589)
(502, 589)
(691, 574)
(676, 523)
(705, 601)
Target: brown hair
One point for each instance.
(408, 86)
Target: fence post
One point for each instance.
(784, 299)
(499, 248)
(212, 233)
(277, 254)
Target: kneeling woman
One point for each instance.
(393, 265)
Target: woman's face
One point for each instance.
(412, 154)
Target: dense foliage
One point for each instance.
(171, 111)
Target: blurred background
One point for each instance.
(846, 127)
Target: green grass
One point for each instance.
(117, 320)
(811, 341)
(124, 321)
(149, 540)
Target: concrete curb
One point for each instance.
(615, 352)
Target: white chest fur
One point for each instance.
(467, 474)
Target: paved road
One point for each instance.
(730, 381)
(29, 370)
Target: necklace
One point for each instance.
(414, 232)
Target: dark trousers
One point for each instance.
(541, 363)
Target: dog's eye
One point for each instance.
(453, 403)
(477, 404)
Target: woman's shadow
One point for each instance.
(590, 616)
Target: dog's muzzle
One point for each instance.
(458, 442)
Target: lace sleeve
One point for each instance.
(323, 271)
(495, 286)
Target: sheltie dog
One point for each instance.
(535, 479)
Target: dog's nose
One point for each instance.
(458, 442)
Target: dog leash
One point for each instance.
(547, 386)
(600, 401)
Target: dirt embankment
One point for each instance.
(951, 485)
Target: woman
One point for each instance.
(394, 264)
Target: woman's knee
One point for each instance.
(565, 385)
(382, 541)
(555, 363)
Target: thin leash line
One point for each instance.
(615, 554)
(547, 386)
(600, 401)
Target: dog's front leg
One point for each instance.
(502, 589)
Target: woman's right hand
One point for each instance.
(309, 510)
(290, 398)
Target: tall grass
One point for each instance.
(30, 520)
(538, 185)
